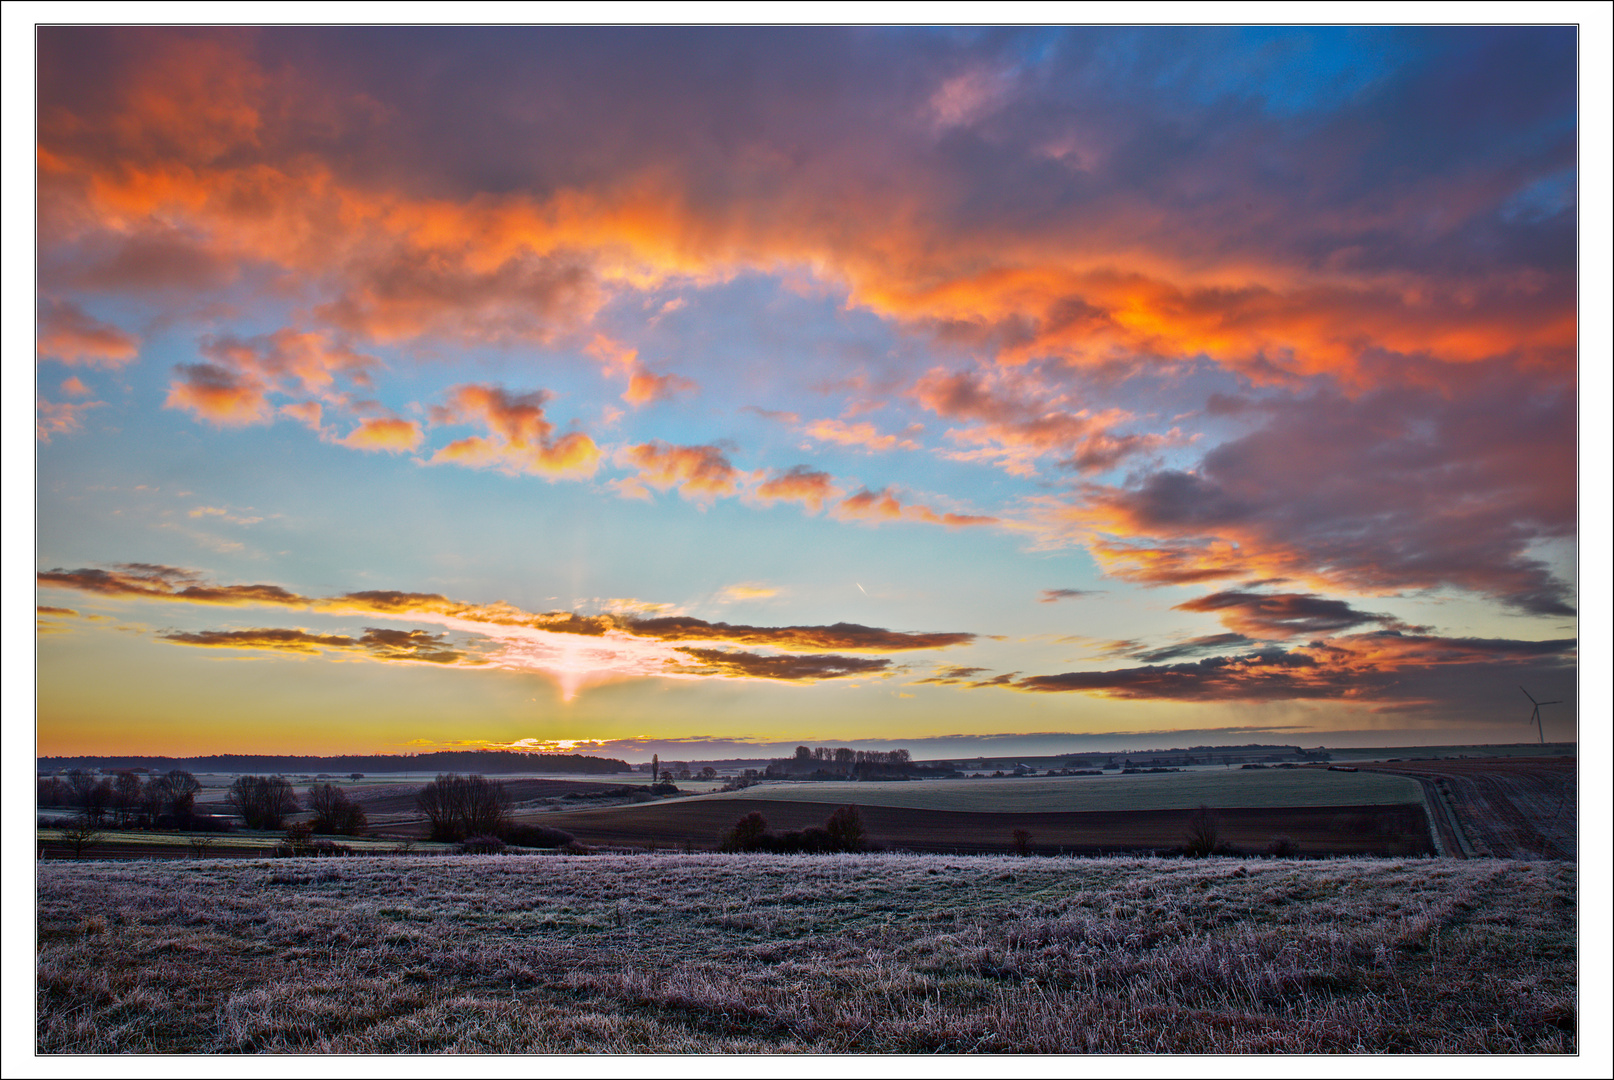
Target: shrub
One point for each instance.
(845, 827)
(1283, 847)
(481, 845)
(535, 836)
(1022, 842)
(747, 834)
(1204, 833)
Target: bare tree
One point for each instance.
(181, 788)
(126, 795)
(82, 834)
(264, 802)
(461, 806)
(334, 812)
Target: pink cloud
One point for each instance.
(69, 334)
(61, 418)
(1014, 420)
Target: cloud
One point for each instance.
(951, 676)
(410, 646)
(1050, 596)
(810, 487)
(1199, 646)
(1279, 616)
(747, 591)
(69, 334)
(1450, 485)
(1384, 669)
(700, 473)
(883, 505)
(1013, 418)
(862, 435)
(849, 636)
(776, 415)
(1109, 209)
(151, 581)
(222, 512)
(745, 665)
(233, 388)
(384, 433)
(576, 650)
(73, 386)
(645, 388)
(61, 417)
(520, 437)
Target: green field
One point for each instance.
(1139, 791)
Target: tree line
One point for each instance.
(125, 799)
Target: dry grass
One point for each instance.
(746, 954)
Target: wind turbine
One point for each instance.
(1536, 715)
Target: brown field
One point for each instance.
(400, 798)
(698, 824)
(749, 954)
(1508, 808)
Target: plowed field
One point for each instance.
(1507, 808)
(697, 824)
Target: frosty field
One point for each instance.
(744, 954)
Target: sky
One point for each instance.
(705, 391)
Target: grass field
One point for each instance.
(826, 954)
(1139, 791)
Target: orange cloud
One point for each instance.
(882, 505)
(810, 487)
(700, 473)
(864, 435)
(233, 388)
(645, 388)
(520, 437)
(383, 433)
(73, 386)
(191, 133)
(67, 333)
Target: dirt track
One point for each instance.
(1507, 808)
